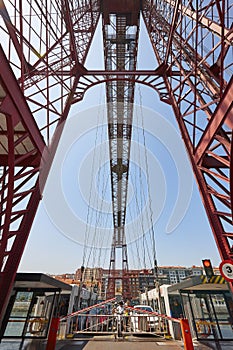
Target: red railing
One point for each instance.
(184, 324)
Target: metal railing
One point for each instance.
(109, 324)
(93, 320)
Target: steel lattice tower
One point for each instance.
(42, 73)
(120, 33)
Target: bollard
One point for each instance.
(52, 337)
(188, 342)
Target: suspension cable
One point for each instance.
(149, 196)
(89, 217)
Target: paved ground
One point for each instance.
(109, 343)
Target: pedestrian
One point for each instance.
(127, 313)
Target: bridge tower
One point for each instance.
(120, 33)
(43, 50)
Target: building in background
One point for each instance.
(140, 281)
(175, 274)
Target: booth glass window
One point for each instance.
(29, 315)
(18, 314)
(211, 314)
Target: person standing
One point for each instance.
(127, 313)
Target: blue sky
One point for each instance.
(52, 250)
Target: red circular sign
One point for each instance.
(226, 270)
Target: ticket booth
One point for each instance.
(35, 299)
(208, 305)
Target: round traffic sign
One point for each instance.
(226, 270)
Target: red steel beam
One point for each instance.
(223, 113)
(206, 22)
(18, 106)
(172, 29)
(15, 108)
(12, 32)
(38, 89)
(202, 103)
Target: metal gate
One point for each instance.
(95, 320)
(100, 319)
